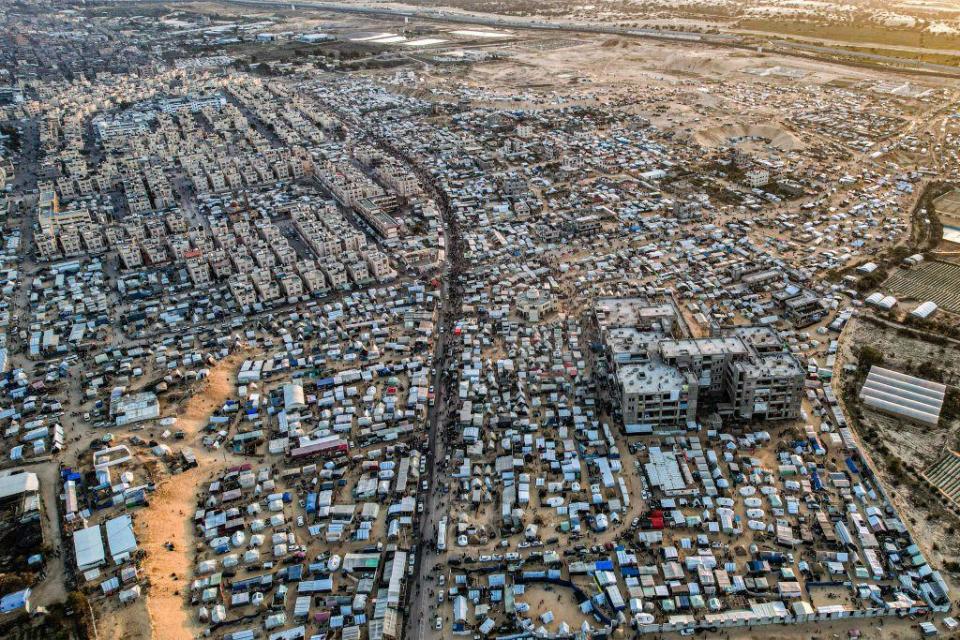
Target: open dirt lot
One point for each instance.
(618, 61)
(168, 519)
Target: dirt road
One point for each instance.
(169, 517)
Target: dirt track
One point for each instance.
(169, 516)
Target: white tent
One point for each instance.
(120, 537)
(88, 546)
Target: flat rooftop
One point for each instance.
(631, 312)
(703, 347)
(650, 377)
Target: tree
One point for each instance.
(869, 356)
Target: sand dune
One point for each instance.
(727, 134)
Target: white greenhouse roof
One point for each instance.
(903, 395)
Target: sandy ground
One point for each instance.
(618, 61)
(169, 517)
(556, 600)
(720, 136)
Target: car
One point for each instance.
(440, 597)
(438, 623)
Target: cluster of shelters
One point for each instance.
(111, 569)
(22, 534)
(69, 308)
(737, 531)
(630, 305)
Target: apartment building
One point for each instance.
(242, 290)
(358, 272)
(268, 289)
(65, 232)
(47, 247)
(70, 242)
(130, 255)
(766, 388)
(314, 281)
(291, 284)
(757, 178)
(707, 358)
(399, 179)
(155, 251)
(198, 268)
(92, 239)
(635, 313)
(219, 261)
(336, 275)
(379, 265)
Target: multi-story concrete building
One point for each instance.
(655, 397)
(766, 387)
(130, 256)
(358, 272)
(70, 242)
(291, 284)
(242, 290)
(379, 265)
(660, 383)
(336, 275)
(314, 281)
(198, 268)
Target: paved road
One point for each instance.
(420, 601)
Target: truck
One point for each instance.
(442, 535)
